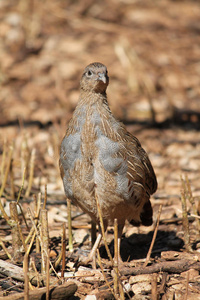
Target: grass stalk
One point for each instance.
(116, 255)
(154, 237)
(31, 173)
(63, 250)
(16, 238)
(69, 218)
(26, 279)
(185, 221)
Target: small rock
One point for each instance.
(53, 254)
(70, 265)
(126, 287)
(140, 278)
(7, 209)
(141, 288)
(168, 212)
(79, 235)
(15, 40)
(89, 275)
(178, 286)
(192, 274)
(13, 19)
(67, 274)
(90, 297)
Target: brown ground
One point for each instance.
(152, 51)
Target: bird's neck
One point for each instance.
(90, 98)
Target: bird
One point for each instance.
(100, 159)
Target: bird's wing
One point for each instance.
(139, 166)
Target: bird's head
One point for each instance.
(95, 78)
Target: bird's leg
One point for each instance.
(93, 232)
(120, 230)
(92, 254)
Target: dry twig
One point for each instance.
(176, 267)
(61, 292)
(154, 292)
(191, 200)
(48, 276)
(31, 173)
(103, 230)
(45, 197)
(154, 237)
(16, 238)
(106, 281)
(4, 183)
(26, 279)
(187, 283)
(185, 216)
(12, 180)
(44, 238)
(63, 250)
(5, 249)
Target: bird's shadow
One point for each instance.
(136, 246)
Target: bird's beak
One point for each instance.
(102, 77)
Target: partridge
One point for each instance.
(100, 159)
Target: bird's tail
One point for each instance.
(145, 216)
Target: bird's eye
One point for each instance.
(89, 73)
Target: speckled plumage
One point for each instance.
(98, 157)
